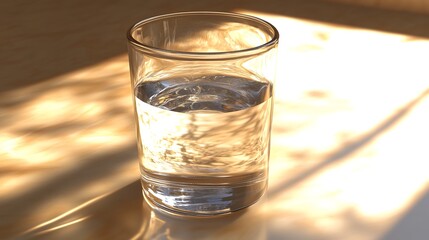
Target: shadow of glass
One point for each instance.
(64, 190)
(55, 43)
(124, 214)
(248, 223)
(117, 215)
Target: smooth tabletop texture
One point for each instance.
(350, 136)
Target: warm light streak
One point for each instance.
(343, 156)
(61, 226)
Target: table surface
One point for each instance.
(349, 155)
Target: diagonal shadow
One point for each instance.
(350, 148)
(18, 209)
(49, 38)
(118, 215)
(124, 214)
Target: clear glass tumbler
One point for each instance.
(203, 95)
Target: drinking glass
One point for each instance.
(203, 96)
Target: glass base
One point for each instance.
(201, 200)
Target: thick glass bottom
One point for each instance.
(199, 198)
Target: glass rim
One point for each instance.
(166, 53)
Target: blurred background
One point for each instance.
(349, 154)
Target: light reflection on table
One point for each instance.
(124, 214)
(348, 161)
